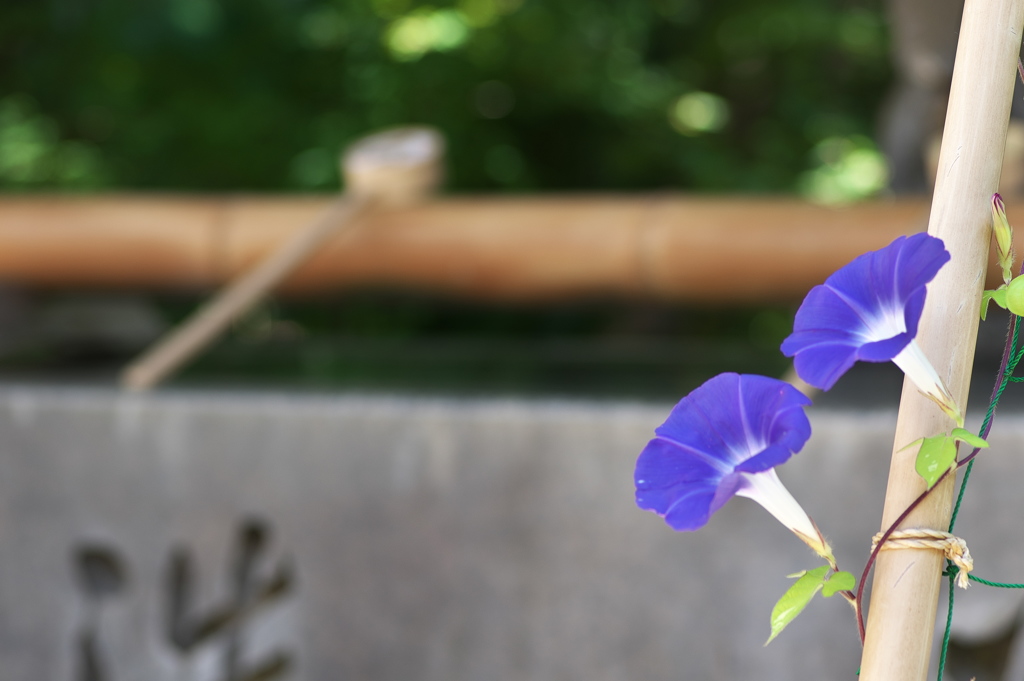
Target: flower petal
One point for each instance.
(884, 350)
(770, 457)
(921, 258)
(825, 309)
(822, 363)
(827, 333)
(733, 423)
(733, 417)
(675, 483)
(868, 310)
(727, 489)
(692, 424)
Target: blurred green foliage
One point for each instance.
(532, 95)
(214, 95)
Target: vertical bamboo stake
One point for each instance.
(901, 616)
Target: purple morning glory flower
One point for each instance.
(869, 310)
(722, 440)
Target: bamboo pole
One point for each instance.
(213, 317)
(905, 591)
(394, 167)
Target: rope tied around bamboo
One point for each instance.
(953, 547)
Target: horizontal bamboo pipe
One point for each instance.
(736, 249)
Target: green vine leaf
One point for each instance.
(936, 455)
(796, 599)
(997, 296)
(840, 581)
(1015, 296)
(968, 437)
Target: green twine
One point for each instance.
(1015, 357)
(986, 582)
(952, 571)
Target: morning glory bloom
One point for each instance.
(724, 439)
(869, 310)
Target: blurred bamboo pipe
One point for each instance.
(904, 597)
(719, 249)
(732, 249)
(395, 167)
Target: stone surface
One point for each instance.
(202, 536)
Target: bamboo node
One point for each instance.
(953, 547)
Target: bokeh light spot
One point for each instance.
(699, 112)
(426, 30)
(32, 152)
(848, 169)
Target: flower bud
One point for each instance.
(1004, 237)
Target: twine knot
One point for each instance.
(953, 547)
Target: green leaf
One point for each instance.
(796, 599)
(911, 444)
(840, 581)
(968, 437)
(936, 456)
(1015, 296)
(998, 296)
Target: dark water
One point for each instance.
(381, 341)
